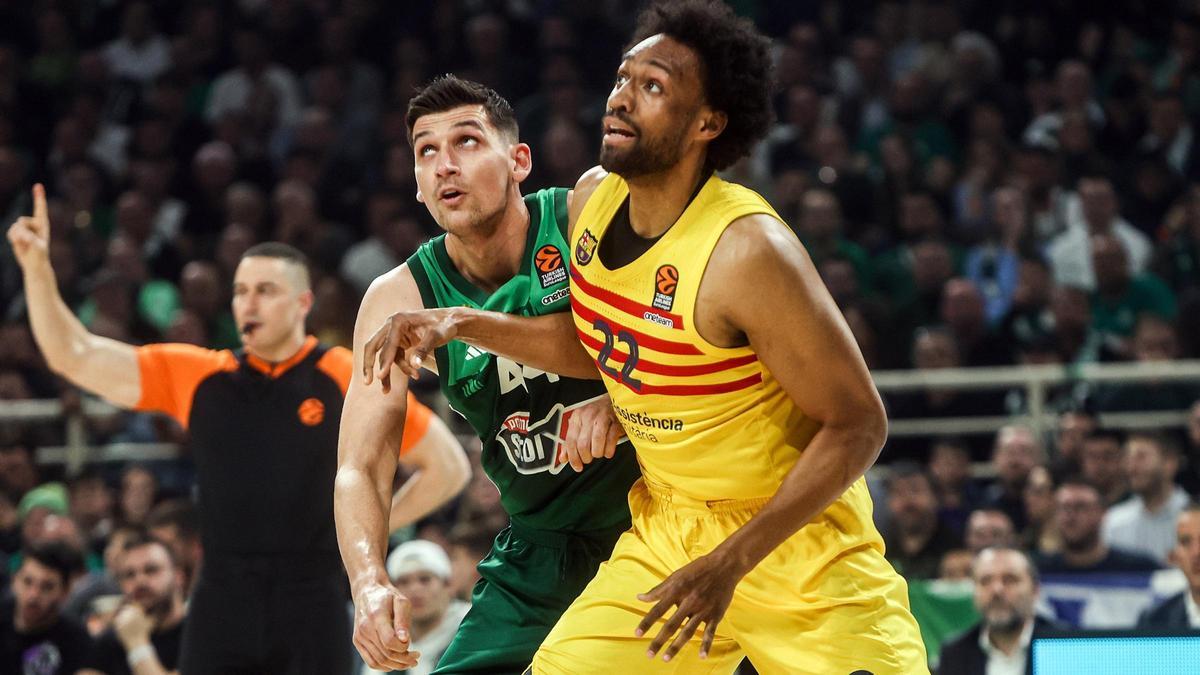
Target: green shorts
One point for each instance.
(527, 581)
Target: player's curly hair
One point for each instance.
(736, 68)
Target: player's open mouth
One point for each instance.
(451, 196)
(617, 134)
(249, 327)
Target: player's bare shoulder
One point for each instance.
(753, 244)
(584, 187)
(393, 291)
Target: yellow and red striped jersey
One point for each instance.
(708, 421)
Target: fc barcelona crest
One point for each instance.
(585, 247)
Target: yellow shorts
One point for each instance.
(808, 607)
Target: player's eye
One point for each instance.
(425, 151)
(654, 87)
(468, 141)
(620, 81)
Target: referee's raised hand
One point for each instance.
(381, 623)
(30, 235)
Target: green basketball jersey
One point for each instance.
(521, 413)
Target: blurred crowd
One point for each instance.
(978, 182)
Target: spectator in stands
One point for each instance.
(1121, 297)
(421, 571)
(963, 311)
(141, 54)
(139, 490)
(1072, 427)
(34, 635)
(1006, 592)
(1016, 451)
(1154, 341)
(994, 266)
(987, 528)
(1070, 254)
(820, 229)
(1177, 260)
(103, 582)
(916, 540)
(1102, 465)
(266, 95)
(1182, 611)
(91, 507)
(147, 630)
(956, 565)
(957, 494)
(1040, 535)
(1078, 514)
(1190, 478)
(176, 522)
(18, 473)
(1071, 327)
(1145, 523)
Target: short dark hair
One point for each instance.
(139, 537)
(447, 92)
(58, 556)
(178, 513)
(736, 69)
(907, 468)
(1166, 444)
(281, 251)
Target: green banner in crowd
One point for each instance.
(943, 610)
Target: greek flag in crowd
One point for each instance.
(1102, 600)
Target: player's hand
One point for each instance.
(132, 625)
(593, 431)
(381, 622)
(701, 592)
(406, 339)
(30, 235)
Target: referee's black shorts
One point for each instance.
(268, 615)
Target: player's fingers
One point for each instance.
(669, 629)
(685, 634)
(401, 611)
(40, 212)
(370, 652)
(710, 632)
(420, 352)
(573, 435)
(370, 349)
(599, 436)
(614, 436)
(388, 347)
(653, 615)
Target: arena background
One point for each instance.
(944, 163)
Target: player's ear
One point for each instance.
(420, 197)
(522, 161)
(306, 301)
(712, 123)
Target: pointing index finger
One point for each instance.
(40, 212)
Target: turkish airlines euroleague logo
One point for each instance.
(549, 262)
(665, 282)
(311, 412)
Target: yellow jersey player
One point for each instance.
(735, 376)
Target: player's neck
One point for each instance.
(489, 256)
(657, 200)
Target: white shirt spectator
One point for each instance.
(1070, 253)
(1130, 526)
(140, 63)
(366, 260)
(999, 663)
(232, 90)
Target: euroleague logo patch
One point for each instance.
(549, 262)
(585, 247)
(666, 280)
(311, 412)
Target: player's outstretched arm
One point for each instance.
(371, 432)
(407, 339)
(762, 286)
(100, 365)
(441, 471)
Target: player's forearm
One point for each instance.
(61, 337)
(360, 516)
(835, 458)
(547, 343)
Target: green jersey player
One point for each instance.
(540, 431)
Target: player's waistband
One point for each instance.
(678, 500)
(562, 539)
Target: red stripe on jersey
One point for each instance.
(622, 303)
(657, 344)
(690, 389)
(665, 369)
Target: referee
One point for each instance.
(263, 423)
